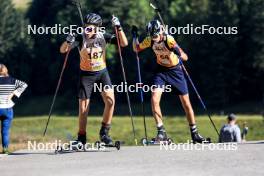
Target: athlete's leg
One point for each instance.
(159, 82)
(86, 83)
(155, 105)
(83, 112)
(109, 101)
(187, 106)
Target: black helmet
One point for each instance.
(154, 27)
(94, 19)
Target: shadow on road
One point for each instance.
(252, 142)
(58, 153)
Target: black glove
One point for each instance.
(134, 31)
(71, 38)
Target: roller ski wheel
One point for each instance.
(118, 145)
(144, 141)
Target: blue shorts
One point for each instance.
(171, 76)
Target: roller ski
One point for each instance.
(160, 138)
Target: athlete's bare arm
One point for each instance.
(179, 51)
(184, 56)
(123, 38)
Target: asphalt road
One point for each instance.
(247, 160)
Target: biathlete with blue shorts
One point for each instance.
(169, 72)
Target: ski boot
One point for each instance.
(104, 135)
(161, 137)
(197, 138)
(79, 143)
(105, 139)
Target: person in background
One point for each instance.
(9, 87)
(244, 132)
(230, 132)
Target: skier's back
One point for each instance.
(230, 132)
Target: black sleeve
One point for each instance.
(110, 38)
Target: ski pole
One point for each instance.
(157, 10)
(124, 78)
(79, 8)
(77, 3)
(141, 94)
(57, 89)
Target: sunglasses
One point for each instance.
(155, 36)
(89, 29)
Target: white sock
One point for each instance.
(159, 124)
(193, 128)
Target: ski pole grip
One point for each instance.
(154, 7)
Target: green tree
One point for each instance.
(15, 44)
(9, 28)
(250, 48)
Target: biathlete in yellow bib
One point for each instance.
(169, 72)
(93, 69)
